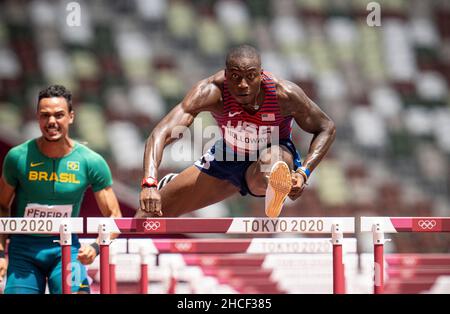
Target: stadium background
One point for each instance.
(130, 62)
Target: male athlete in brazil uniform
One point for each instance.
(255, 111)
(47, 177)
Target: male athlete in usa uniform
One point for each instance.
(255, 111)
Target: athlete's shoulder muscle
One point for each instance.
(88, 154)
(206, 95)
(21, 148)
(13, 164)
(291, 97)
(20, 151)
(287, 91)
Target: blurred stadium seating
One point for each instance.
(130, 62)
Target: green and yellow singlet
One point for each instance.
(53, 187)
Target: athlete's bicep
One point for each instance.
(177, 117)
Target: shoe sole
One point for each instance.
(281, 182)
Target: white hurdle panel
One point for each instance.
(65, 227)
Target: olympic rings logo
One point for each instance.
(183, 246)
(151, 225)
(427, 224)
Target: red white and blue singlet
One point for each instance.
(244, 132)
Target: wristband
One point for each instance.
(96, 247)
(149, 182)
(2, 254)
(305, 172)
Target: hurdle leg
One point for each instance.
(66, 269)
(172, 282)
(105, 240)
(378, 286)
(65, 241)
(144, 279)
(143, 282)
(338, 270)
(378, 244)
(338, 265)
(112, 270)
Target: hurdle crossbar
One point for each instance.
(241, 225)
(381, 225)
(65, 227)
(336, 226)
(39, 225)
(406, 224)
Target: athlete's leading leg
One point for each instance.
(271, 176)
(193, 189)
(257, 175)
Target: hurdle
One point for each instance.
(118, 246)
(381, 225)
(336, 226)
(65, 227)
(293, 247)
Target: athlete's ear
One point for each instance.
(71, 116)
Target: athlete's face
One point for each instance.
(54, 118)
(244, 79)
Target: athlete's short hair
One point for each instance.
(242, 51)
(56, 91)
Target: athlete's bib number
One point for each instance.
(48, 211)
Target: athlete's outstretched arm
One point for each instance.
(202, 97)
(311, 119)
(109, 206)
(7, 193)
